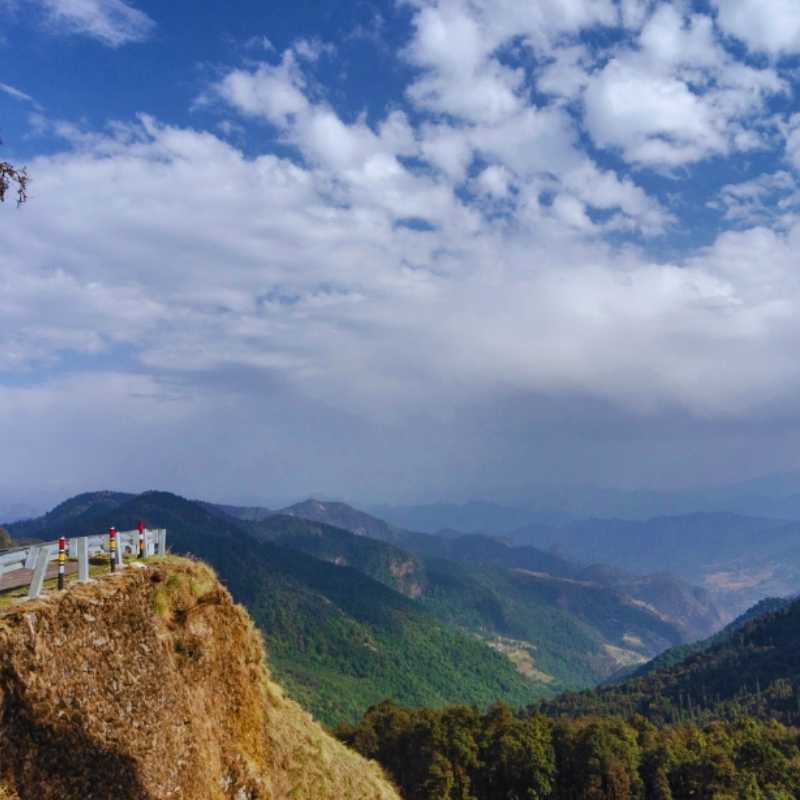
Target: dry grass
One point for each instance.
(152, 683)
(97, 568)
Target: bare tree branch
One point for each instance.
(10, 178)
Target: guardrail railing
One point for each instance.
(143, 542)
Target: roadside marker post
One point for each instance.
(141, 540)
(112, 546)
(62, 555)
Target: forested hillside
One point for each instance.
(753, 669)
(690, 609)
(709, 727)
(461, 754)
(564, 626)
(339, 639)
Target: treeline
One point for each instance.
(460, 753)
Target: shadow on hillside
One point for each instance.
(46, 761)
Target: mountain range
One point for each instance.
(355, 609)
(775, 496)
(738, 559)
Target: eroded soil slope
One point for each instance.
(152, 683)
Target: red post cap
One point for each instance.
(141, 526)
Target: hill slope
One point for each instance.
(689, 609)
(339, 640)
(560, 628)
(151, 683)
(753, 669)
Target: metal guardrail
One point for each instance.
(37, 557)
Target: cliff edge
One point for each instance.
(152, 683)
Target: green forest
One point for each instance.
(720, 724)
(463, 754)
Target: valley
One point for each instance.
(355, 609)
(406, 641)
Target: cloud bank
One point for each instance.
(467, 293)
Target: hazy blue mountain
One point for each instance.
(12, 510)
(739, 559)
(344, 516)
(474, 517)
(244, 513)
(68, 513)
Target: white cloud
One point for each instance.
(678, 97)
(112, 22)
(211, 262)
(793, 141)
(567, 74)
(769, 199)
(765, 26)
(634, 12)
(672, 40)
(652, 118)
(17, 94)
(423, 281)
(461, 78)
(271, 91)
(495, 181)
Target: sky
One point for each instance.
(398, 251)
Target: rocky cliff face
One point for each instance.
(152, 683)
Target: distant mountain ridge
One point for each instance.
(690, 608)
(774, 496)
(344, 516)
(739, 559)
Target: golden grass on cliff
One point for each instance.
(151, 683)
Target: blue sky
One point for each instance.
(419, 249)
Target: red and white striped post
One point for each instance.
(141, 539)
(62, 556)
(112, 546)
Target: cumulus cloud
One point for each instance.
(112, 22)
(765, 26)
(769, 199)
(270, 271)
(274, 92)
(446, 281)
(678, 97)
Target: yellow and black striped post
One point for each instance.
(112, 546)
(62, 557)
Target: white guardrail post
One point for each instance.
(83, 559)
(39, 571)
(37, 557)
